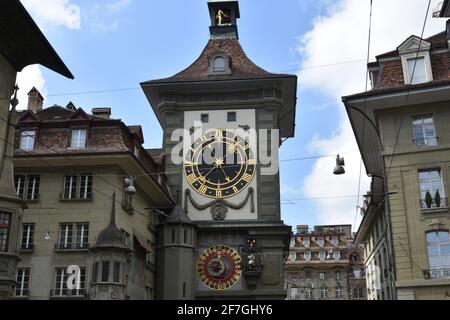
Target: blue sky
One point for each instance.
(115, 44)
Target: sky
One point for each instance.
(112, 45)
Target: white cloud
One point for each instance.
(340, 36)
(54, 13)
(30, 77)
(104, 17)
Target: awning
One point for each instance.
(142, 241)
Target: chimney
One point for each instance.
(102, 112)
(301, 229)
(35, 100)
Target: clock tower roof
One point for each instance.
(178, 216)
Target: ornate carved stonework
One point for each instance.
(253, 263)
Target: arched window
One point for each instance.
(438, 244)
(219, 64)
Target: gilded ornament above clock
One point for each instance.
(220, 164)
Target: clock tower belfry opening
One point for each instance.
(232, 201)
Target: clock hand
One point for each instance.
(226, 176)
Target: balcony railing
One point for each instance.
(442, 204)
(71, 246)
(440, 273)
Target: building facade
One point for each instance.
(21, 44)
(94, 198)
(230, 111)
(402, 128)
(324, 264)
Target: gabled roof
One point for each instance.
(23, 43)
(241, 66)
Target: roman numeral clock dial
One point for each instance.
(220, 164)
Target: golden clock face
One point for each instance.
(220, 164)
(219, 268)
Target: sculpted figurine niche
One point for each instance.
(222, 17)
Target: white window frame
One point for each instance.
(335, 240)
(292, 256)
(23, 285)
(322, 255)
(27, 234)
(321, 241)
(322, 276)
(76, 141)
(27, 140)
(307, 255)
(306, 242)
(324, 293)
(428, 141)
(408, 73)
(339, 292)
(337, 255)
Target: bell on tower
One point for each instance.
(224, 14)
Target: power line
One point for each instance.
(408, 91)
(364, 108)
(99, 91)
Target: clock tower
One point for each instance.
(223, 119)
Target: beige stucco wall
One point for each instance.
(49, 212)
(409, 222)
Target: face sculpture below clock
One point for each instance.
(219, 268)
(220, 164)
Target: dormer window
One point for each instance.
(78, 139)
(219, 64)
(416, 63)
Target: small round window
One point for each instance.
(219, 64)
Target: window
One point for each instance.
(324, 293)
(105, 271)
(417, 70)
(431, 182)
(219, 64)
(27, 236)
(23, 283)
(337, 255)
(204, 118)
(438, 243)
(78, 139)
(335, 241)
(292, 256)
(75, 191)
(27, 139)
(339, 292)
(321, 242)
(33, 187)
(231, 117)
(357, 272)
(116, 272)
(95, 273)
(82, 240)
(308, 255)
(293, 243)
(61, 277)
(306, 242)
(308, 294)
(358, 293)
(295, 293)
(19, 183)
(424, 131)
(322, 255)
(323, 276)
(65, 236)
(338, 276)
(5, 221)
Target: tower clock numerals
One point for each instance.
(230, 169)
(219, 268)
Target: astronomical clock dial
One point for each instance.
(220, 164)
(219, 268)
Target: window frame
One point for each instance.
(438, 244)
(426, 140)
(24, 134)
(430, 182)
(407, 73)
(23, 280)
(78, 145)
(232, 116)
(29, 236)
(4, 242)
(36, 183)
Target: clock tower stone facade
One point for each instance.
(223, 119)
